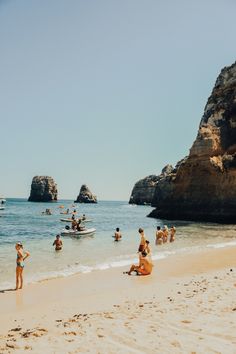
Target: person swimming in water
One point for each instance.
(20, 257)
(57, 243)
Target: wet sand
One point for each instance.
(186, 306)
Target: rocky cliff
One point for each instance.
(144, 189)
(43, 189)
(203, 186)
(85, 195)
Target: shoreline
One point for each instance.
(43, 304)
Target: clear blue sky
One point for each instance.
(105, 92)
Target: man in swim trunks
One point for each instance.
(145, 266)
(57, 243)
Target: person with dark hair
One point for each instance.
(117, 235)
(21, 256)
(57, 243)
(142, 240)
(159, 236)
(144, 268)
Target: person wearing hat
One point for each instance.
(21, 256)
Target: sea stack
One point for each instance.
(144, 189)
(203, 187)
(43, 189)
(85, 195)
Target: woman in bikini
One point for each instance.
(21, 256)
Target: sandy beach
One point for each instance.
(186, 306)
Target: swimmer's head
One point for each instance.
(117, 229)
(158, 228)
(57, 236)
(140, 230)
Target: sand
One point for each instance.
(188, 305)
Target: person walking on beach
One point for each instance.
(57, 243)
(172, 233)
(117, 235)
(159, 236)
(144, 268)
(20, 257)
(142, 240)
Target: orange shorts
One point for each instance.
(142, 271)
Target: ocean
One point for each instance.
(23, 221)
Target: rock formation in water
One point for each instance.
(203, 186)
(144, 189)
(43, 189)
(85, 195)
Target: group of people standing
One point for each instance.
(163, 234)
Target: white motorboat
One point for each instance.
(85, 232)
(70, 220)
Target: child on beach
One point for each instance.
(21, 256)
(57, 243)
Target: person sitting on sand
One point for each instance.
(117, 235)
(142, 240)
(166, 233)
(159, 236)
(172, 233)
(21, 256)
(57, 243)
(144, 268)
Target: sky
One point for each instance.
(105, 92)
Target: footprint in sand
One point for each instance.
(186, 321)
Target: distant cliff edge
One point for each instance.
(144, 189)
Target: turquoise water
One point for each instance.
(23, 221)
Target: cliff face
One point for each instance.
(203, 186)
(144, 189)
(85, 195)
(43, 189)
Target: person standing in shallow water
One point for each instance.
(20, 257)
(117, 235)
(142, 244)
(159, 236)
(172, 233)
(57, 243)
